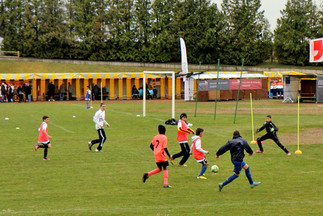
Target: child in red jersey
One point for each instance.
(43, 137)
(182, 137)
(159, 146)
(198, 152)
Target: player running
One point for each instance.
(237, 145)
(182, 137)
(198, 152)
(159, 146)
(99, 120)
(271, 134)
(43, 137)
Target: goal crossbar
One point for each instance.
(144, 90)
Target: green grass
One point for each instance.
(11, 66)
(79, 182)
(7, 66)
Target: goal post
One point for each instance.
(144, 90)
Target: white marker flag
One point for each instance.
(188, 82)
(316, 50)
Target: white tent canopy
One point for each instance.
(227, 75)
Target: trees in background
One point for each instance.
(149, 31)
(299, 23)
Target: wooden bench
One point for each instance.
(307, 96)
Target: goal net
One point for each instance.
(145, 73)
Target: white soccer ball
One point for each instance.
(214, 169)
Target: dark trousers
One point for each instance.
(101, 139)
(45, 147)
(185, 153)
(274, 138)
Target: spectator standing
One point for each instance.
(70, 91)
(51, 91)
(20, 93)
(4, 91)
(62, 91)
(27, 90)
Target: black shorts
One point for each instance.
(163, 165)
(203, 161)
(45, 144)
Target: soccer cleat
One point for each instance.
(255, 184)
(145, 177)
(90, 145)
(46, 159)
(36, 147)
(97, 150)
(171, 160)
(289, 154)
(180, 165)
(220, 186)
(258, 151)
(201, 177)
(167, 186)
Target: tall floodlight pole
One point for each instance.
(217, 87)
(235, 114)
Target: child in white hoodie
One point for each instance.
(198, 152)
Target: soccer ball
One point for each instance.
(214, 169)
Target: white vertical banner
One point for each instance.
(188, 82)
(316, 50)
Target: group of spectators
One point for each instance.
(151, 92)
(10, 93)
(61, 92)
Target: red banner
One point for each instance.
(246, 84)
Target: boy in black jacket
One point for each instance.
(271, 130)
(237, 145)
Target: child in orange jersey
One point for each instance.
(159, 146)
(43, 137)
(182, 137)
(198, 152)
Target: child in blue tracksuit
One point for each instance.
(88, 97)
(237, 145)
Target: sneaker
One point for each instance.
(36, 147)
(220, 186)
(145, 177)
(289, 154)
(184, 165)
(167, 186)
(90, 145)
(46, 159)
(255, 184)
(171, 160)
(201, 177)
(258, 151)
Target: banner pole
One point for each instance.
(101, 92)
(217, 87)
(235, 114)
(252, 126)
(298, 151)
(197, 89)
(91, 96)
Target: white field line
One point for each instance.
(64, 129)
(131, 114)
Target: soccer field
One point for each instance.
(77, 181)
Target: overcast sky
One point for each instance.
(272, 9)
